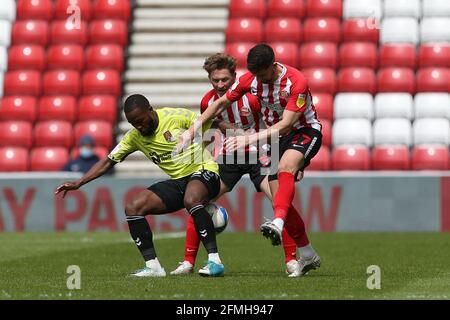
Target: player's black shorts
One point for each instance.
(305, 140)
(172, 191)
(230, 174)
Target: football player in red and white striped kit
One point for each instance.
(288, 112)
(242, 115)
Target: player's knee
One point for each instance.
(191, 201)
(286, 168)
(134, 209)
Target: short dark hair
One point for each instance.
(260, 57)
(220, 61)
(136, 101)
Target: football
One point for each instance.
(219, 216)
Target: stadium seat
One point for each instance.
(434, 55)
(13, 159)
(286, 53)
(431, 131)
(321, 80)
(394, 105)
(30, 32)
(396, 80)
(3, 59)
(101, 152)
(433, 80)
(435, 30)
(357, 80)
(105, 56)
(98, 107)
(48, 158)
(353, 105)
(8, 10)
(431, 157)
(101, 131)
(400, 30)
(18, 108)
(322, 160)
(247, 9)
(62, 82)
(396, 131)
(286, 8)
(358, 54)
(58, 108)
(244, 30)
(34, 9)
(318, 54)
(53, 133)
(402, 8)
(85, 9)
(390, 158)
(65, 56)
(323, 102)
(362, 9)
(113, 9)
(432, 105)
(350, 158)
(322, 29)
(5, 33)
(398, 55)
(26, 57)
(283, 30)
(101, 82)
(16, 133)
(436, 8)
(327, 132)
(239, 50)
(66, 32)
(22, 83)
(108, 31)
(352, 132)
(324, 8)
(358, 30)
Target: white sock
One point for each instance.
(307, 251)
(153, 264)
(214, 257)
(279, 223)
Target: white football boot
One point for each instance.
(292, 266)
(149, 272)
(212, 269)
(305, 265)
(272, 232)
(184, 267)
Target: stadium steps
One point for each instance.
(174, 50)
(178, 24)
(178, 38)
(164, 63)
(176, 13)
(183, 3)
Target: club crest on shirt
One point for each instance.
(284, 95)
(245, 111)
(301, 100)
(168, 136)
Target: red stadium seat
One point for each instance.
(398, 55)
(67, 32)
(433, 80)
(247, 9)
(244, 30)
(285, 53)
(65, 56)
(16, 133)
(327, 132)
(350, 158)
(53, 133)
(13, 159)
(323, 102)
(357, 80)
(18, 108)
(58, 108)
(108, 31)
(359, 30)
(85, 9)
(105, 56)
(390, 158)
(318, 54)
(62, 82)
(98, 108)
(22, 83)
(101, 131)
(322, 29)
(322, 160)
(430, 158)
(434, 55)
(34, 9)
(283, 30)
(324, 8)
(101, 152)
(396, 80)
(48, 158)
(30, 32)
(321, 80)
(286, 8)
(239, 50)
(358, 54)
(101, 82)
(26, 57)
(112, 9)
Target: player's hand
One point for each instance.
(234, 143)
(67, 186)
(183, 141)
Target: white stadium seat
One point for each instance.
(394, 105)
(432, 105)
(435, 30)
(392, 132)
(5, 33)
(353, 105)
(352, 132)
(400, 30)
(436, 8)
(402, 8)
(362, 9)
(3, 59)
(431, 131)
(8, 10)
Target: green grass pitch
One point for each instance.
(413, 266)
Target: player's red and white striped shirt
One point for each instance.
(290, 91)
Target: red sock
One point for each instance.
(285, 194)
(289, 246)
(295, 226)
(192, 242)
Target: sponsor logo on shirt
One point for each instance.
(168, 136)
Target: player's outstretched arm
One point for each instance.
(99, 169)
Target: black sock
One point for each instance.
(142, 236)
(205, 228)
